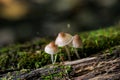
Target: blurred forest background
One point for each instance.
(22, 20)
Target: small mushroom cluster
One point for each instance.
(64, 40)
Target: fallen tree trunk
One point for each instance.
(103, 70)
(101, 67)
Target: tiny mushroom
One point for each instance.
(51, 49)
(62, 40)
(76, 43)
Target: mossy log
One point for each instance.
(100, 67)
(31, 55)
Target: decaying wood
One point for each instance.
(101, 67)
(80, 61)
(104, 67)
(102, 71)
(41, 72)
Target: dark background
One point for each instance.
(22, 20)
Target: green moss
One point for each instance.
(98, 40)
(3, 61)
(20, 56)
(59, 72)
(30, 60)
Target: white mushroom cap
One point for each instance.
(77, 42)
(51, 48)
(63, 39)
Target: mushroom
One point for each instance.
(62, 40)
(51, 49)
(76, 43)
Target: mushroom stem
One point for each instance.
(52, 58)
(68, 53)
(55, 59)
(76, 52)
